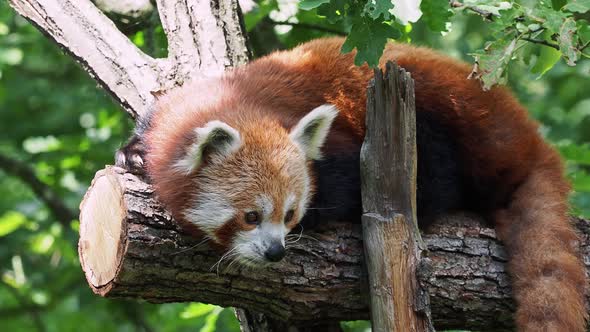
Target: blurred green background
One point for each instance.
(57, 127)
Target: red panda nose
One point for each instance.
(275, 252)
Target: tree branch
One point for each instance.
(204, 37)
(541, 42)
(484, 13)
(322, 278)
(43, 191)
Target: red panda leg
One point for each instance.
(548, 276)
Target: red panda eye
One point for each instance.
(289, 216)
(252, 218)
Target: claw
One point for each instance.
(130, 156)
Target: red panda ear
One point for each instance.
(216, 140)
(311, 131)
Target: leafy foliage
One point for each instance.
(54, 119)
(514, 25)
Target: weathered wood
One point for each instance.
(322, 278)
(390, 233)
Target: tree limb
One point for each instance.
(204, 37)
(322, 278)
(483, 13)
(541, 42)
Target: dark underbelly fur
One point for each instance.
(441, 185)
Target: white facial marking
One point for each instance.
(289, 203)
(265, 204)
(209, 212)
(220, 137)
(311, 131)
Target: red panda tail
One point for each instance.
(548, 276)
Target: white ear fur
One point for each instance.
(218, 138)
(311, 131)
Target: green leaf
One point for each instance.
(552, 20)
(548, 57)
(376, 8)
(311, 4)
(334, 11)
(557, 4)
(493, 62)
(368, 37)
(10, 222)
(578, 6)
(436, 14)
(583, 30)
(567, 42)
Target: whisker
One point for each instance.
(298, 238)
(192, 247)
(222, 258)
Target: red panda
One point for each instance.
(243, 158)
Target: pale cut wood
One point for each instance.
(101, 220)
(322, 279)
(391, 238)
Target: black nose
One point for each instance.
(275, 252)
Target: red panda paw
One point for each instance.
(131, 156)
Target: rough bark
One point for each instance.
(205, 37)
(392, 242)
(321, 279)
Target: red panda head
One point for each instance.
(245, 185)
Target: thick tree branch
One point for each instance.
(204, 37)
(43, 191)
(321, 280)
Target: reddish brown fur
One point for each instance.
(492, 128)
